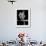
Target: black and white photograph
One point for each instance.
(23, 17)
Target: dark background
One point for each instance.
(25, 12)
(19, 22)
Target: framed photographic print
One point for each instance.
(23, 17)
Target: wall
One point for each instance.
(8, 28)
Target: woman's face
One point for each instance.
(21, 15)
